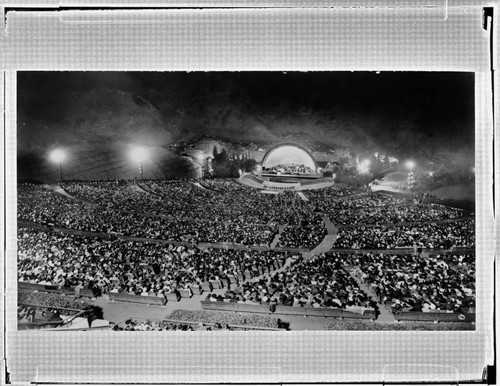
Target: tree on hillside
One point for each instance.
(223, 167)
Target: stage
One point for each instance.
(285, 182)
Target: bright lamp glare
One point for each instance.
(364, 167)
(57, 156)
(139, 154)
(410, 165)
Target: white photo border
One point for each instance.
(303, 39)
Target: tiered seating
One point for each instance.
(133, 271)
(226, 230)
(438, 288)
(426, 235)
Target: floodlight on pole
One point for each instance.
(58, 156)
(139, 154)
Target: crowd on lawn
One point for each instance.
(188, 320)
(319, 282)
(137, 268)
(442, 282)
(429, 235)
(154, 325)
(224, 318)
(132, 325)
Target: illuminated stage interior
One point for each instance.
(287, 166)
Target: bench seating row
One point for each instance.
(435, 316)
(286, 310)
(174, 296)
(52, 288)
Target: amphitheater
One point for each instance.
(283, 248)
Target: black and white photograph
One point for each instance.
(246, 201)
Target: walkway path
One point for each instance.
(303, 196)
(385, 316)
(331, 229)
(327, 243)
(138, 188)
(276, 239)
(57, 189)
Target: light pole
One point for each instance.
(57, 156)
(139, 154)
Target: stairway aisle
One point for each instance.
(58, 190)
(276, 239)
(327, 243)
(385, 316)
(331, 229)
(303, 196)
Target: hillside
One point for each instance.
(179, 117)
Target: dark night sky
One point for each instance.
(94, 108)
(443, 101)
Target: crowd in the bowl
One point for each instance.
(195, 232)
(134, 267)
(443, 282)
(424, 235)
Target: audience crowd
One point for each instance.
(318, 282)
(428, 235)
(304, 236)
(184, 320)
(223, 211)
(139, 268)
(37, 204)
(219, 200)
(443, 282)
(394, 214)
(345, 197)
(153, 325)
